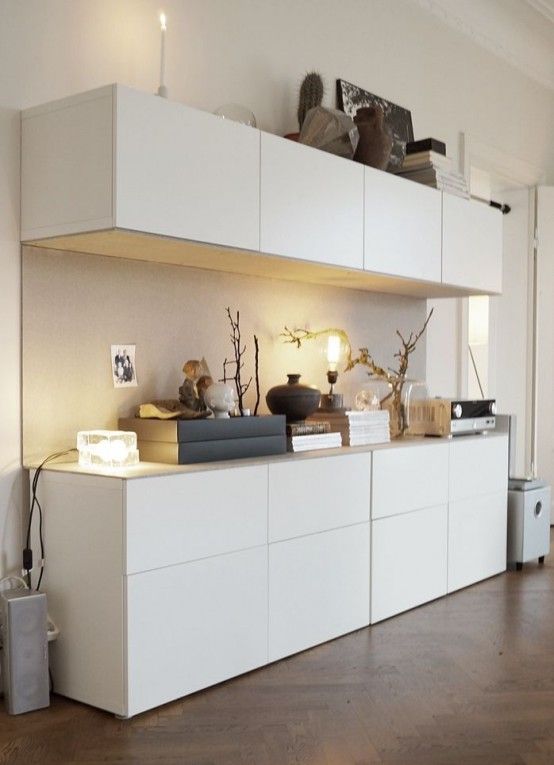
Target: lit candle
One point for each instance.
(162, 90)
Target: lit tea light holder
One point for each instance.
(107, 448)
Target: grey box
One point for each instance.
(185, 431)
(24, 629)
(528, 524)
(193, 452)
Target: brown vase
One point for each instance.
(294, 400)
(375, 144)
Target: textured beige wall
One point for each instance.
(75, 306)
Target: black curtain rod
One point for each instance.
(504, 208)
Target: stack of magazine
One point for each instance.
(429, 165)
(305, 436)
(368, 427)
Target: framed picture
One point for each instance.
(124, 371)
(350, 98)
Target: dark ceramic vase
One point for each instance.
(294, 400)
(375, 144)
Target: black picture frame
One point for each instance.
(351, 97)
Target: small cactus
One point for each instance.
(310, 95)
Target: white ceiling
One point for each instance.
(521, 32)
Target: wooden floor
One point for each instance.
(468, 679)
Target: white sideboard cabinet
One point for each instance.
(477, 529)
(165, 580)
(442, 526)
(409, 515)
(318, 551)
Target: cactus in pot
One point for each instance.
(310, 95)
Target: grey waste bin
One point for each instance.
(528, 521)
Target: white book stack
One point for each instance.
(368, 427)
(434, 169)
(314, 441)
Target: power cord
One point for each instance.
(27, 552)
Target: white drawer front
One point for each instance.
(194, 625)
(315, 495)
(178, 518)
(318, 588)
(478, 466)
(406, 479)
(476, 539)
(408, 561)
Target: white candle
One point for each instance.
(162, 90)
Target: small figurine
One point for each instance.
(189, 393)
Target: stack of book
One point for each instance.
(368, 427)
(356, 428)
(426, 162)
(304, 436)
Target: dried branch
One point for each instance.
(257, 372)
(299, 336)
(238, 350)
(394, 377)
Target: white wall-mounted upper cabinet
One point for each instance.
(311, 204)
(472, 245)
(119, 158)
(118, 172)
(403, 227)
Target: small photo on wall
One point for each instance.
(124, 370)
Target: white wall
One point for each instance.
(254, 52)
(545, 335)
(10, 440)
(510, 315)
(76, 306)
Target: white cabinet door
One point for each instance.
(476, 539)
(472, 244)
(478, 465)
(177, 518)
(184, 173)
(67, 165)
(318, 494)
(318, 588)
(311, 204)
(408, 561)
(403, 227)
(194, 625)
(409, 478)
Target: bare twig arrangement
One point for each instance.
(394, 377)
(237, 364)
(257, 372)
(298, 336)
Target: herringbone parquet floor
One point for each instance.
(466, 680)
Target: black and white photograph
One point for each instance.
(124, 372)
(351, 97)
